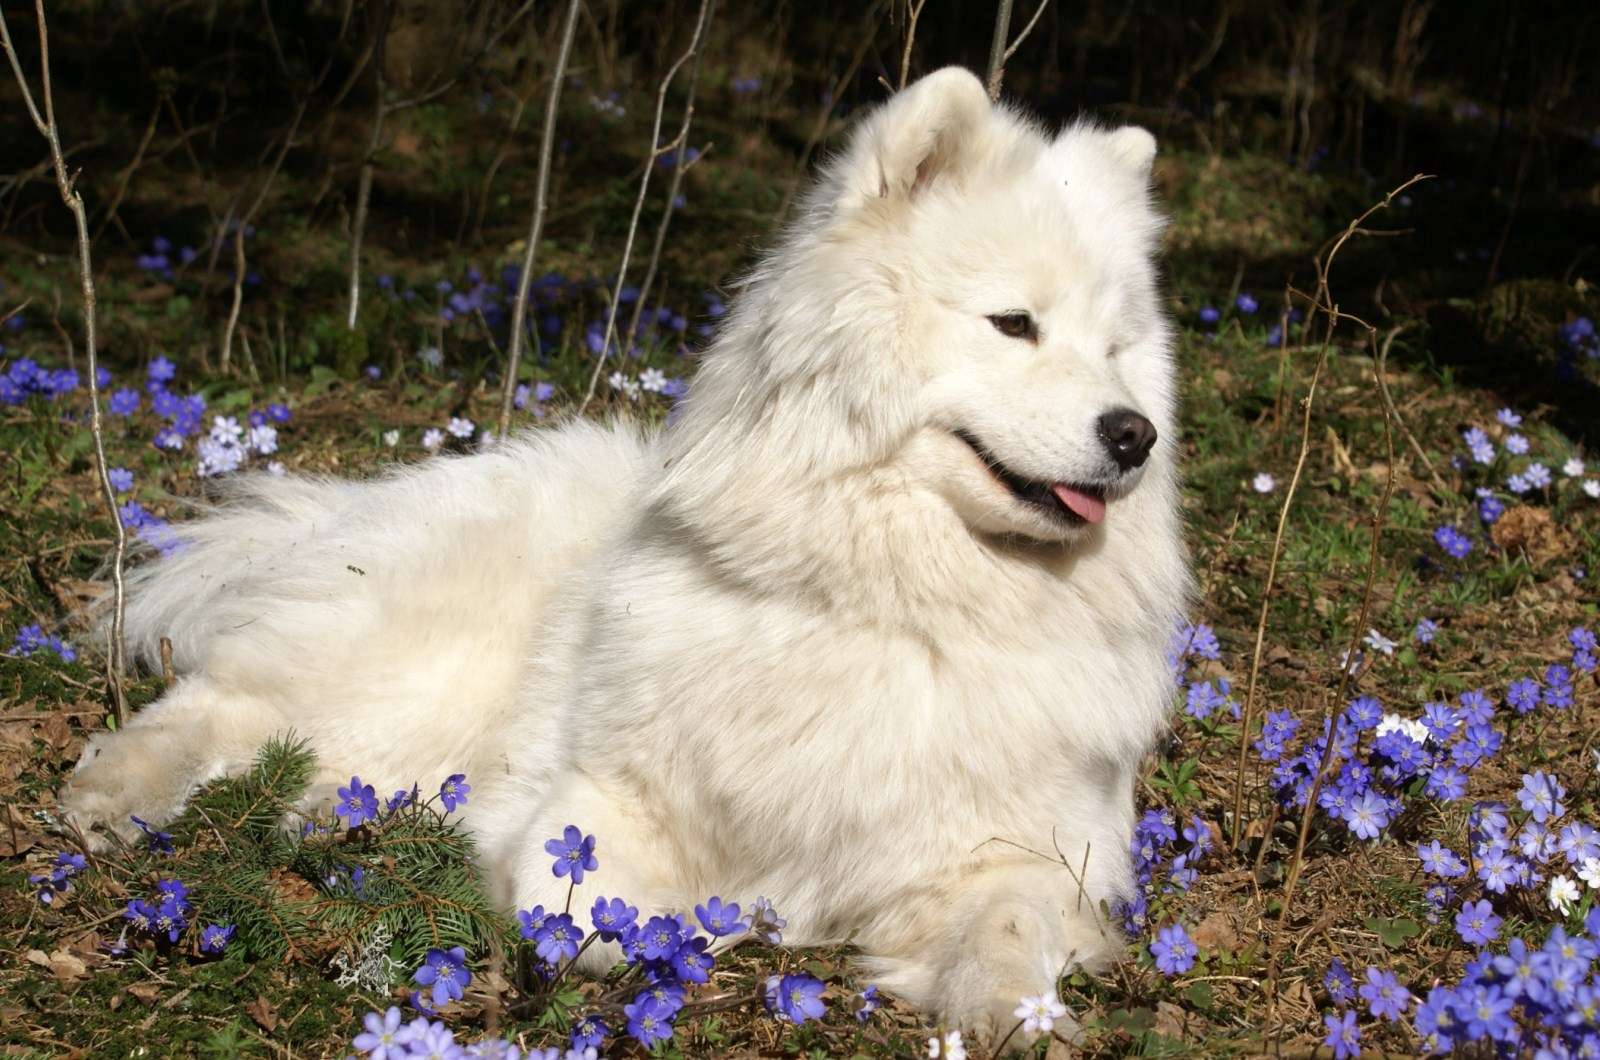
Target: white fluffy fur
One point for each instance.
(802, 644)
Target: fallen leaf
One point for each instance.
(1217, 932)
(146, 992)
(263, 1013)
(63, 965)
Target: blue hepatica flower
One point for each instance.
(869, 1004)
(589, 1033)
(557, 939)
(1384, 995)
(1440, 860)
(215, 937)
(660, 938)
(720, 918)
(1343, 1037)
(454, 791)
(1477, 924)
(794, 998)
(160, 842)
(649, 1021)
(1173, 950)
(574, 853)
(446, 972)
(612, 918)
(532, 921)
(1541, 796)
(1452, 541)
(357, 803)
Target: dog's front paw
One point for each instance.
(120, 776)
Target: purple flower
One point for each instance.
(215, 937)
(1523, 695)
(1477, 924)
(532, 921)
(124, 402)
(169, 919)
(162, 370)
(160, 842)
(557, 940)
(869, 1004)
(1384, 995)
(795, 998)
(660, 938)
(574, 853)
(1341, 990)
(121, 479)
(1367, 815)
(1452, 541)
(649, 1021)
(691, 962)
(1541, 796)
(720, 918)
(141, 914)
(383, 1038)
(612, 918)
(1344, 1037)
(1246, 303)
(1426, 630)
(1436, 1021)
(1486, 1012)
(1440, 860)
(453, 792)
(589, 1032)
(1173, 950)
(445, 971)
(357, 803)
(1209, 314)
(1446, 783)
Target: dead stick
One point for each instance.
(519, 313)
(70, 196)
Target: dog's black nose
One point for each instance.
(1128, 437)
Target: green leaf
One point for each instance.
(1394, 933)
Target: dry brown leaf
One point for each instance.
(61, 964)
(263, 1013)
(1530, 531)
(1217, 932)
(146, 992)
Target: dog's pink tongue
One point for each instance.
(1089, 509)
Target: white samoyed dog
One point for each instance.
(875, 629)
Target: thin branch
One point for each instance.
(127, 174)
(519, 313)
(73, 200)
(678, 168)
(358, 224)
(1321, 301)
(913, 13)
(1012, 50)
(997, 48)
(638, 203)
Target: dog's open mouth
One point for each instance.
(1075, 502)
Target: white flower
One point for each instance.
(391, 438)
(616, 380)
(275, 468)
(1039, 1014)
(652, 379)
(1263, 482)
(1409, 726)
(949, 1047)
(1354, 662)
(217, 457)
(1573, 468)
(430, 356)
(460, 427)
(264, 439)
(432, 438)
(1378, 642)
(1509, 418)
(1589, 872)
(1591, 486)
(1563, 893)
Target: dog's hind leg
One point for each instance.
(195, 733)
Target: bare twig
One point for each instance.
(127, 175)
(638, 203)
(1321, 301)
(913, 13)
(679, 167)
(358, 223)
(519, 313)
(997, 48)
(70, 196)
(1394, 413)
(1014, 45)
(1331, 714)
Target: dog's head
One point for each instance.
(971, 300)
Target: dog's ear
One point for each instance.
(1134, 147)
(924, 134)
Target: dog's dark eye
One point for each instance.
(1015, 325)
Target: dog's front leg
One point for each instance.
(992, 936)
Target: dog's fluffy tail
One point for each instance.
(281, 565)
